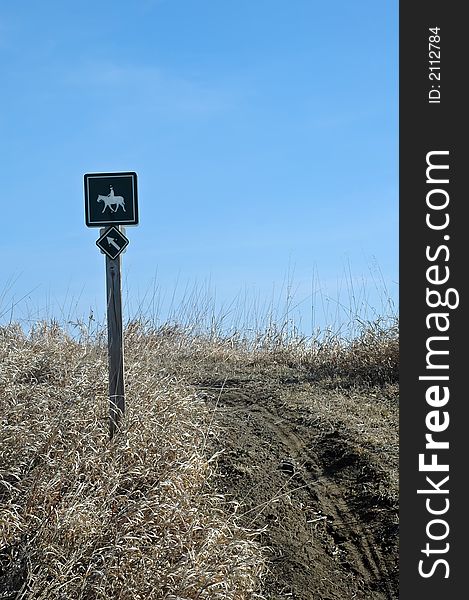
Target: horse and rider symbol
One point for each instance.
(111, 200)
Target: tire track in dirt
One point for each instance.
(356, 549)
(331, 498)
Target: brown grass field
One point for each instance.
(244, 468)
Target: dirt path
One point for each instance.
(312, 487)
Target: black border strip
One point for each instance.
(434, 531)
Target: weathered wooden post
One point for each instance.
(115, 342)
(119, 207)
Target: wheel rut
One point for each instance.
(276, 468)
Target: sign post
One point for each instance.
(115, 342)
(111, 201)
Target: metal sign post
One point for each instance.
(111, 201)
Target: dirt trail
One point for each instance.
(313, 488)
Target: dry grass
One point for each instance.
(369, 359)
(83, 517)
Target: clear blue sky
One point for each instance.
(264, 134)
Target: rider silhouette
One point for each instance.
(111, 193)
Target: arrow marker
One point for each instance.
(112, 242)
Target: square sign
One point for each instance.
(111, 199)
(112, 242)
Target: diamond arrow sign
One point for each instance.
(112, 242)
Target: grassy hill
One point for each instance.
(260, 467)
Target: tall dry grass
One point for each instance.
(369, 359)
(139, 517)
(82, 517)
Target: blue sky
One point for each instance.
(264, 134)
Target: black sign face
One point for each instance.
(112, 242)
(111, 199)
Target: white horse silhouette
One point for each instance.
(109, 201)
